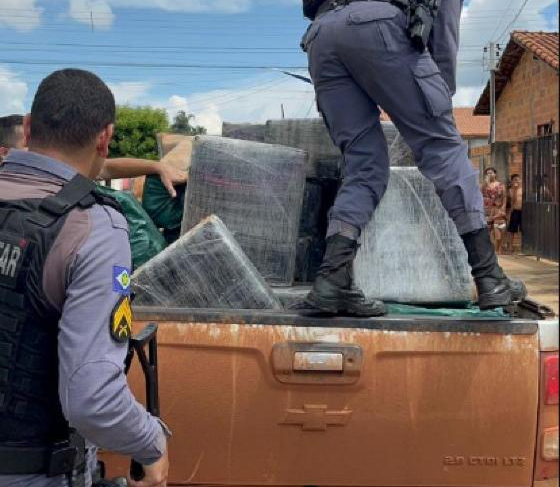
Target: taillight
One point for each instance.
(551, 380)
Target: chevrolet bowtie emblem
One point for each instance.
(316, 417)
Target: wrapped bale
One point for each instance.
(400, 154)
(312, 136)
(205, 268)
(289, 296)
(257, 190)
(390, 132)
(411, 251)
(244, 131)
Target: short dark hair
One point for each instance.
(490, 169)
(513, 176)
(70, 108)
(8, 125)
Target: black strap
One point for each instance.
(23, 461)
(77, 192)
(58, 459)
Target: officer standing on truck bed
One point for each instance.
(65, 313)
(400, 55)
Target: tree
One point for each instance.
(182, 125)
(135, 132)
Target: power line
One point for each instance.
(514, 19)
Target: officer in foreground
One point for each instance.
(364, 54)
(65, 314)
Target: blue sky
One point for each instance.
(173, 55)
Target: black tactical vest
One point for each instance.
(310, 8)
(30, 410)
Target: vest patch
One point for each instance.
(12, 255)
(121, 280)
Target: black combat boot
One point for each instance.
(495, 289)
(334, 291)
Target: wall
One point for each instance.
(529, 99)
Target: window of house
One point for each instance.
(544, 129)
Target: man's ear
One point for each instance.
(26, 130)
(103, 141)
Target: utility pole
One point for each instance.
(493, 51)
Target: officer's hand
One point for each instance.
(156, 474)
(171, 177)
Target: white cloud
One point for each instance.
(130, 92)
(103, 16)
(12, 92)
(467, 96)
(86, 11)
(261, 100)
(20, 15)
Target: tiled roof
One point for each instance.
(469, 125)
(543, 45)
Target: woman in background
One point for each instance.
(495, 204)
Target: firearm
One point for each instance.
(421, 17)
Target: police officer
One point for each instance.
(65, 316)
(364, 54)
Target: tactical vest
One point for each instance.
(30, 412)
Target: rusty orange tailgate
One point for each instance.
(371, 403)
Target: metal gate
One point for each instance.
(540, 201)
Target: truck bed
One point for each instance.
(269, 398)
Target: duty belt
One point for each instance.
(332, 4)
(59, 459)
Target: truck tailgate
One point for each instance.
(391, 402)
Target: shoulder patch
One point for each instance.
(121, 320)
(121, 280)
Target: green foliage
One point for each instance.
(135, 132)
(182, 125)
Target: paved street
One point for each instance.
(541, 277)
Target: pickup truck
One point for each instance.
(258, 398)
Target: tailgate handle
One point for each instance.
(317, 363)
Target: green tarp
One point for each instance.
(146, 240)
(470, 311)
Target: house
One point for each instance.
(475, 130)
(526, 88)
(527, 133)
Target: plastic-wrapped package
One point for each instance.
(244, 131)
(291, 295)
(257, 190)
(145, 239)
(390, 132)
(411, 251)
(312, 136)
(400, 153)
(205, 268)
